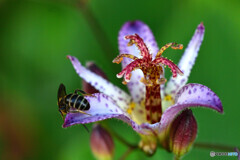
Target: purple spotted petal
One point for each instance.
(191, 95)
(122, 99)
(136, 89)
(187, 61)
(103, 107)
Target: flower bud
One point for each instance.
(101, 143)
(95, 69)
(183, 132)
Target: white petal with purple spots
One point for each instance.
(122, 98)
(191, 95)
(187, 61)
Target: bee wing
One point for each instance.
(72, 110)
(84, 93)
(61, 91)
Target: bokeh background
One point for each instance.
(36, 36)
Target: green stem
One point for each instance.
(124, 156)
(97, 29)
(123, 141)
(116, 135)
(214, 146)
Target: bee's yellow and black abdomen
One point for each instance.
(77, 101)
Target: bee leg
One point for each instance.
(83, 93)
(85, 127)
(78, 111)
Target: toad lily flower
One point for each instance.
(152, 107)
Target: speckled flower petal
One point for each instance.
(136, 88)
(187, 61)
(122, 99)
(103, 107)
(95, 69)
(191, 95)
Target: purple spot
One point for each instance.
(202, 90)
(137, 96)
(99, 99)
(182, 81)
(140, 111)
(173, 91)
(111, 110)
(189, 92)
(194, 90)
(208, 93)
(106, 105)
(120, 99)
(198, 97)
(95, 83)
(116, 110)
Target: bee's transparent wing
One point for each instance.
(61, 91)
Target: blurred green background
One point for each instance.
(36, 36)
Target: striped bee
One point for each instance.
(73, 102)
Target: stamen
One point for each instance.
(173, 45)
(131, 107)
(153, 73)
(169, 98)
(119, 58)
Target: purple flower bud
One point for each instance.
(95, 69)
(101, 143)
(182, 133)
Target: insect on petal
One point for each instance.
(122, 98)
(103, 107)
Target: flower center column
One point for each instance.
(153, 103)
